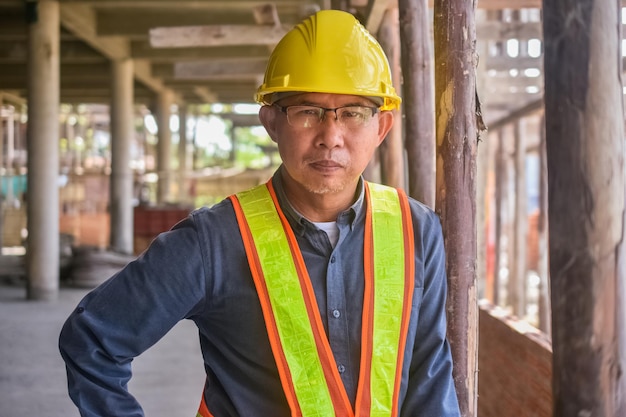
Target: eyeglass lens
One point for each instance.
(311, 116)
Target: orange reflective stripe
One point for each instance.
(203, 411)
(388, 263)
(364, 394)
(409, 265)
(270, 322)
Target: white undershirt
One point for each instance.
(331, 230)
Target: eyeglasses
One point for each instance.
(350, 117)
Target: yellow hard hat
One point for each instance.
(329, 52)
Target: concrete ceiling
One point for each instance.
(215, 51)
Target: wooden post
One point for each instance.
(543, 267)
(2, 165)
(183, 154)
(457, 138)
(517, 276)
(484, 282)
(391, 150)
(500, 203)
(585, 150)
(418, 98)
(164, 146)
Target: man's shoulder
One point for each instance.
(213, 216)
(423, 216)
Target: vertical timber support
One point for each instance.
(183, 153)
(392, 149)
(501, 196)
(545, 322)
(42, 265)
(520, 223)
(457, 137)
(586, 200)
(164, 146)
(484, 279)
(122, 132)
(2, 165)
(419, 98)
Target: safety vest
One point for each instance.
(305, 362)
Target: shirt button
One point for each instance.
(332, 260)
(336, 314)
(341, 369)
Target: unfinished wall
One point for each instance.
(514, 367)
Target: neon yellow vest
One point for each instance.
(305, 362)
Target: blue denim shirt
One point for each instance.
(199, 271)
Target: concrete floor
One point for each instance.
(167, 381)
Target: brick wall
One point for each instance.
(515, 367)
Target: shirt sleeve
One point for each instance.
(126, 315)
(431, 391)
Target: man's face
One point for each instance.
(330, 157)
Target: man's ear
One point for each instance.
(267, 115)
(385, 123)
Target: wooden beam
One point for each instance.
(506, 63)
(205, 94)
(160, 4)
(143, 74)
(216, 35)
(81, 21)
(205, 70)
(511, 84)
(142, 49)
(510, 4)
(135, 22)
(266, 14)
(13, 98)
(525, 111)
(502, 31)
(241, 119)
(505, 4)
(375, 12)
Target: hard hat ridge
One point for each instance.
(329, 52)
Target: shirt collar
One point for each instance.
(350, 216)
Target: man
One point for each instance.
(316, 294)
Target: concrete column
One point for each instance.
(183, 164)
(43, 153)
(1, 165)
(2, 150)
(122, 132)
(164, 104)
(10, 155)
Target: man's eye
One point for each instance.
(351, 114)
(304, 112)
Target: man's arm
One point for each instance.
(431, 391)
(125, 316)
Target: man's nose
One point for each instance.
(331, 132)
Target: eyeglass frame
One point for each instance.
(284, 109)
